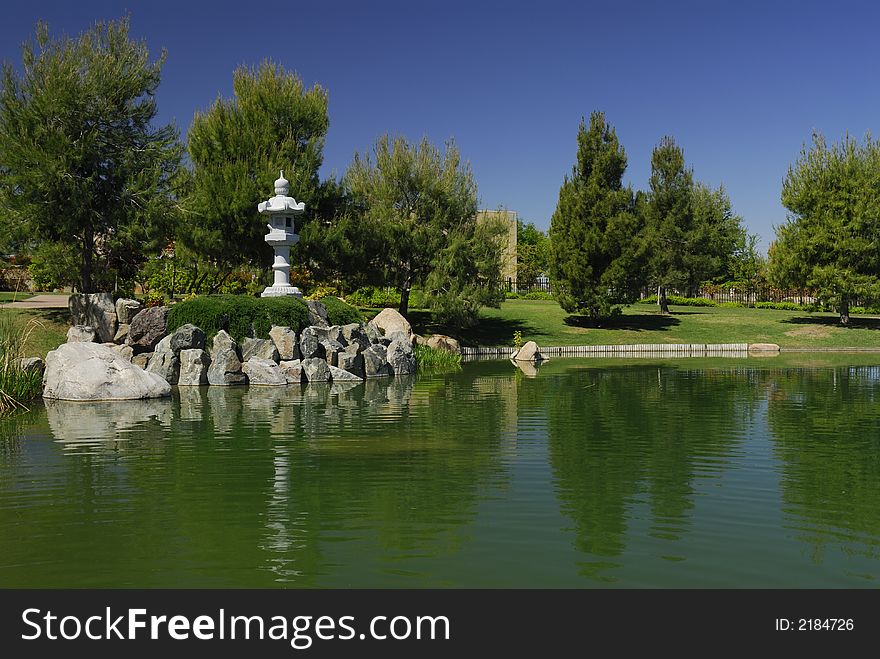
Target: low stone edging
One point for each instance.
(622, 350)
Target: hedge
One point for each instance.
(243, 316)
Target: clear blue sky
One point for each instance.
(740, 85)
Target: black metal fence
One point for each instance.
(540, 284)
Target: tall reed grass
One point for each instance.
(431, 360)
(17, 386)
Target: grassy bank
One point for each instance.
(12, 296)
(546, 323)
(47, 328)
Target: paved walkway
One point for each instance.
(47, 301)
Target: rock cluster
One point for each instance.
(319, 353)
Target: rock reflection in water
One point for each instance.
(104, 423)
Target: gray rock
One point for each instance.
(530, 352)
(96, 310)
(31, 365)
(443, 342)
(400, 357)
(389, 320)
(187, 337)
(142, 359)
(315, 370)
(164, 362)
(194, 363)
(309, 344)
(225, 368)
(147, 329)
(81, 334)
(353, 362)
(263, 372)
(376, 361)
(260, 348)
(372, 332)
(121, 334)
(340, 375)
(331, 350)
(285, 342)
(126, 309)
(125, 351)
(355, 334)
(318, 315)
(397, 335)
(292, 371)
(89, 371)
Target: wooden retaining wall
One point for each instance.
(642, 350)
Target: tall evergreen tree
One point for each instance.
(829, 242)
(237, 148)
(81, 163)
(690, 231)
(592, 229)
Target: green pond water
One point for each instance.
(590, 473)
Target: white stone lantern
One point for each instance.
(281, 210)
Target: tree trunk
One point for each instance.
(87, 264)
(661, 299)
(844, 310)
(404, 301)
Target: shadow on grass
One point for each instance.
(855, 322)
(487, 332)
(636, 323)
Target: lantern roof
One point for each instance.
(281, 203)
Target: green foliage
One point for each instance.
(17, 387)
(237, 148)
(517, 339)
(82, 164)
(53, 265)
(593, 227)
(781, 306)
(533, 253)
(681, 301)
(239, 315)
(322, 291)
(341, 313)
(690, 232)
(829, 242)
(415, 210)
(433, 360)
(371, 296)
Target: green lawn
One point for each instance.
(48, 328)
(12, 296)
(547, 324)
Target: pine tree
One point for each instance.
(592, 229)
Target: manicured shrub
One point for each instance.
(781, 306)
(341, 313)
(682, 301)
(240, 315)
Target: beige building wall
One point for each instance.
(508, 248)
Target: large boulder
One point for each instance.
(372, 332)
(147, 329)
(318, 315)
(443, 342)
(376, 361)
(96, 310)
(331, 350)
(292, 371)
(225, 368)
(354, 334)
(285, 342)
(263, 372)
(125, 351)
(187, 337)
(396, 335)
(309, 343)
(164, 362)
(353, 362)
(340, 375)
(81, 334)
(260, 348)
(121, 334)
(194, 363)
(401, 358)
(142, 359)
(126, 309)
(530, 352)
(90, 371)
(389, 320)
(315, 370)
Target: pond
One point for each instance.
(590, 473)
